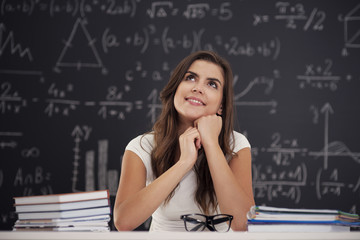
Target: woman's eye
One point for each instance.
(190, 78)
(213, 85)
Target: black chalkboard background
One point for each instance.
(79, 79)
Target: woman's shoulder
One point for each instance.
(141, 143)
(240, 141)
(142, 146)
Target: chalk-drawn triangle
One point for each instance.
(79, 51)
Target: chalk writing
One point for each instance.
(71, 8)
(6, 143)
(292, 14)
(165, 9)
(321, 76)
(10, 100)
(32, 180)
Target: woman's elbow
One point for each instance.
(239, 226)
(122, 224)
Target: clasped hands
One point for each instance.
(204, 133)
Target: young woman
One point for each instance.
(193, 161)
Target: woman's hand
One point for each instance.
(189, 145)
(209, 128)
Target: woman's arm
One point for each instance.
(232, 181)
(135, 202)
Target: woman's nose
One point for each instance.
(197, 88)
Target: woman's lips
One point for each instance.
(195, 101)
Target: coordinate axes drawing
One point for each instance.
(333, 148)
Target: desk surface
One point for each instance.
(177, 235)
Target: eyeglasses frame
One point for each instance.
(209, 221)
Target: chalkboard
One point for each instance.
(79, 79)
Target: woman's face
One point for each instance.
(200, 92)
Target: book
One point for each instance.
(62, 224)
(291, 210)
(286, 227)
(272, 219)
(75, 212)
(62, 198)
(100, 220)
(67, 229)
(43, 207)
(65, 214)
(300, 221)
(308, 215)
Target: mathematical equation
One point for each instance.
(194, 41)
(157, 9)
(287, 174)
(320, 76)
(294, 14)
(58, 102)
(70, 8)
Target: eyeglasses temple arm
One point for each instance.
(198, 226)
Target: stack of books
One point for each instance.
(273, 219)
(80, 211)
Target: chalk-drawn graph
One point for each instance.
(334, 148)
(268, 82)
(10, 46)
(89, 57)
(8, 42)
(351, 29)
(106, 178)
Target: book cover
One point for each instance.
(61, 198)
(61, 206)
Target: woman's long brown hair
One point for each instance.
(166, 135)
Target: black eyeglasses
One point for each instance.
(198, 222)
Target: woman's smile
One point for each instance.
(195, 101)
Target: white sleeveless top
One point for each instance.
(167, 216)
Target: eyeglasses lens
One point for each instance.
(195, 223)
(221, 223)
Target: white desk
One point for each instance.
(177, 236)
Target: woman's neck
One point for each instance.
(183, 126)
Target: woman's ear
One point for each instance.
(219, 112)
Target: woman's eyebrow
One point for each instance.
(211, 79)
(192, 73)
(216, 80)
